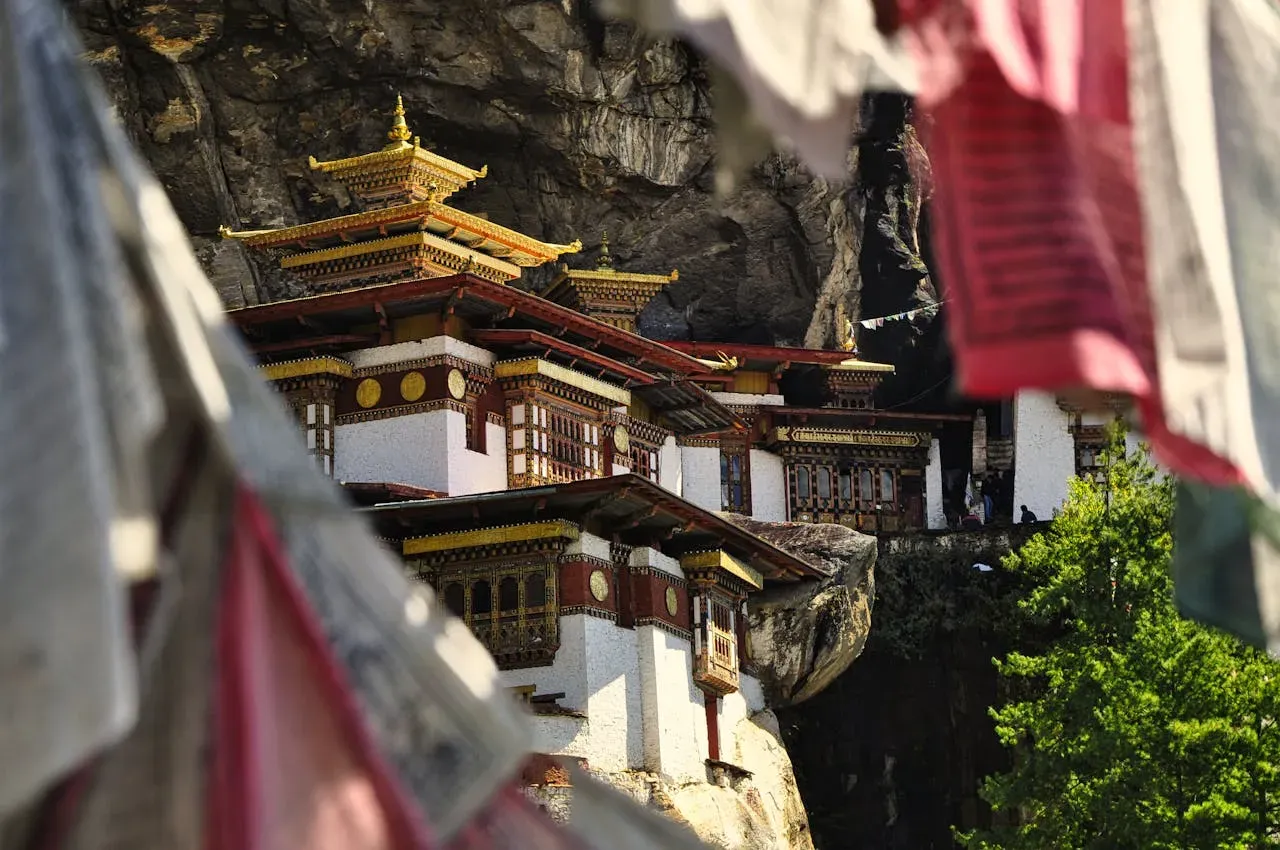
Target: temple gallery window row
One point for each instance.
(551, 443)
(818, 486)
(510, 606)
(513, 607)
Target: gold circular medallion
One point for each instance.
(368, 392)
(457, 384)
(412, 386)
(599, 585)
(673, 601)
(621, 440)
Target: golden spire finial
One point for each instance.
(399, 133)
(604, 261)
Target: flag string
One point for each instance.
(878, 321)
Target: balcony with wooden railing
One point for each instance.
(715, 668)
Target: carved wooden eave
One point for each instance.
(544, 371)
(495, 538)
(415, 255)
(452, 225)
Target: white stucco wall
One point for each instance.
(1044, 454)
(567, 673)
(734, 708)
(673, 714)
(935, 515)
(477, 472)
(401, 352)
(670, 469)
(422, 450)
(701, 465)
(597, 669)
(644, 556)
(410, 449)
(768, 487)
(753, 692)
(613, 702)
(589, 544)
(618, 469)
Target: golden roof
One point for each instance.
(855, 365)
(402, 166)
(605, 273)
(467, 230)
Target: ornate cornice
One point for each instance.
(837, 436)
(536, 367)
(401, 410)
(465, 366)
(548, 530)
(306, 368)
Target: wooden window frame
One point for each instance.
(728, 451)
(525, 636)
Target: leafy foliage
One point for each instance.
(1134, 728)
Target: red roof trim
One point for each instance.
(646, 350)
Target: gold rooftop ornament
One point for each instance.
(399, 133)
(604, 293)
(402, 172)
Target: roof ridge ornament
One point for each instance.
(399, 134)
(604, 261)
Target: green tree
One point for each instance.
(1133, 727)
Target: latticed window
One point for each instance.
(510, 607)
(1091, 443)
(836, 491)
(644, 461)
(735, 479)
(715, 642)
(316, 420)
(551, 444)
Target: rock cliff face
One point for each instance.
(805, 635)
(890, 756)
(586, 126)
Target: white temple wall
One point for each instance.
(590, 545)
(613, 701)
(735, 708)
(753, 692)
(436, 346)
(477, 472)
(411, 449)
(701, 466)
(645, 556)
(619, 469)
(670, 469)
(768, 487)
(935, 514)
(598, 670)
(673, 714)
(567, 673)
(1044, 454)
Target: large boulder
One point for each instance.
(804, 635)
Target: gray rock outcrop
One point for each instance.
(804, 635)
(585, 125)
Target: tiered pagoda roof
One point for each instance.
(406, 230)
(604, 293)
